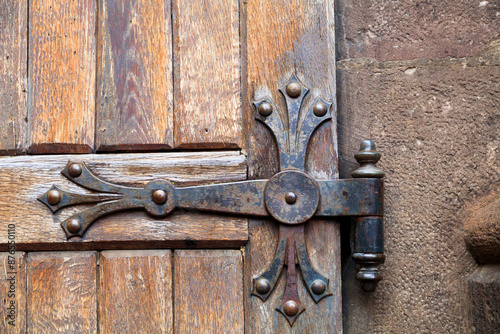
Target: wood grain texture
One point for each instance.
(62, 292)
(134, 70)
(282, 38)
(207, 74)
(208, 291)
(135, 294)
(61, 76)
(13, 292)
(24, 179)
(13, 75)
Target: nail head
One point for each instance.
(53, 197)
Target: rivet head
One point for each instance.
(265, 109)
(75, 170)
(159, 197)
(74, 226)
(320, 109)
(293, 90)
(262, 286)
(291, 198)
(291, 308)
(53, 197)
(318, 287)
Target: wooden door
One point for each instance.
(141, 90)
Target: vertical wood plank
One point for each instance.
(208, 291)
(135, 90)
(61, 76)
(207, 74)
(135, 294)
(281, 38)
(13, 292)
(62, 292)
(13, 73)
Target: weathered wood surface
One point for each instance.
(135, 292)
(208, 291)
(282, 38)
(13, 75)
(207, 74)
(134, 70)
(12, 292)
(24, 179)
(62, 292)
(62, 70)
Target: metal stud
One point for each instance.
(53, 197)
(291, 198)
(318, 287)
(74, 226)
(293, 90)
(262, 286)
(265, 109)
(75, 170)
(320, 109)
(291, 308)
(160, 197)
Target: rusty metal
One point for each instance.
(265, 109)
(368, 229)
(367, 157)
(303, 187)
(159, 196)
(74, 170)
(74, 225)
(291, 197)
(293, 89)
(320, 109)
(53, 197)
(291, 301)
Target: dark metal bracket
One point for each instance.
(291, 197)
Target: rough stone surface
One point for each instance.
(482, 228)
(436, 123)
(484, 294)
(391, 29)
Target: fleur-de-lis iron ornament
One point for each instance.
(291, 197)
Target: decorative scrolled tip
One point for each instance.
(367, 157)
(368, 273)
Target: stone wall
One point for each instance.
(421, 79)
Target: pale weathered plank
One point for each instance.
(283, 38)
(135, 294)
(24, 179)
(207, 74)
(13, 75)
(62, 292)
(61, 76)
(208, 291)
(134, 71)
(12, 289)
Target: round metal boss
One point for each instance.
(53, 197)
(265, 109)
(320, 109)
(160, 201)
(159, 197)
(291, 308)
(318, 287)
(75, 170)
(74, 226)
(262, 286)
(278, 199)
(293, 90)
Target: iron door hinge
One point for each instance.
(291, 197)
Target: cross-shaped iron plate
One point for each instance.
(291, 197)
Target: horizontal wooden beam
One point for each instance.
(24, 179)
